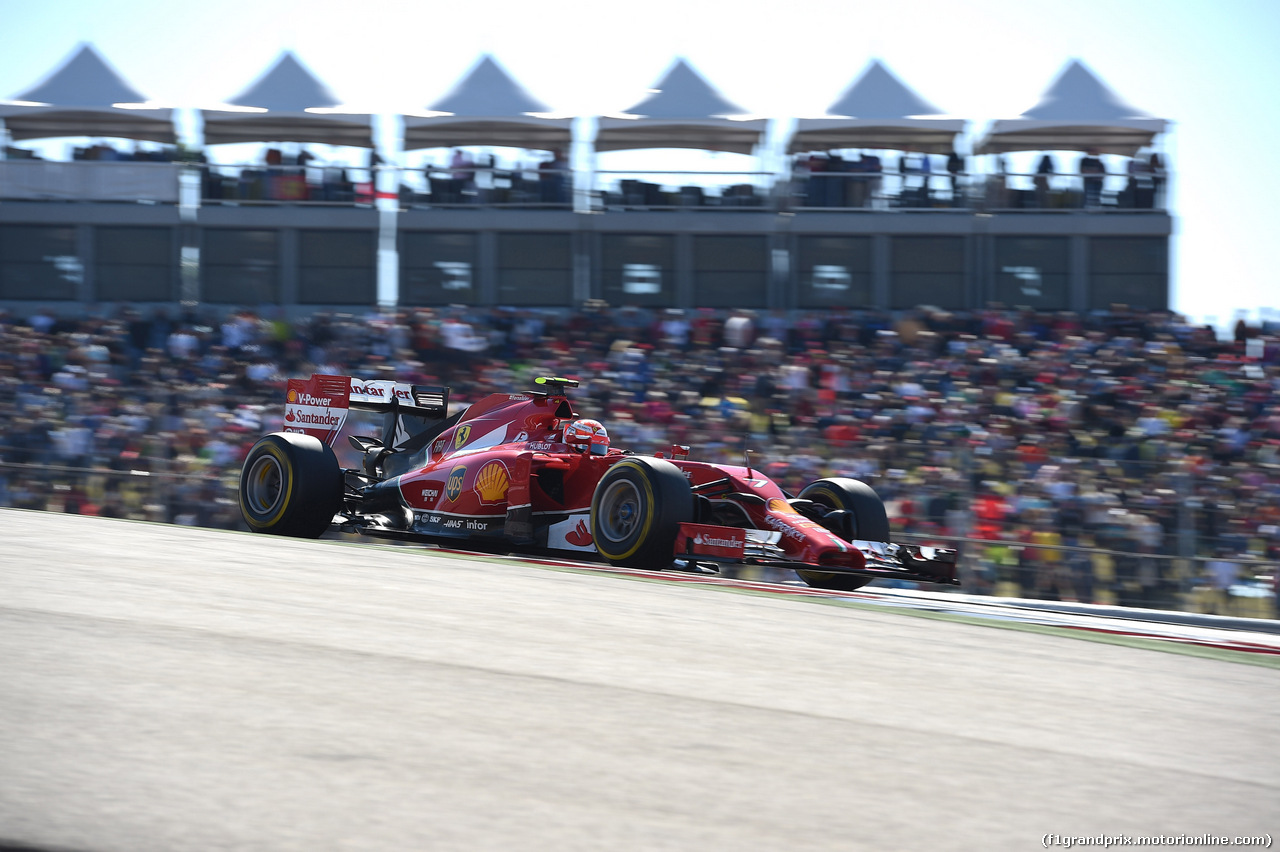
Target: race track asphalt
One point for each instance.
(165, 688)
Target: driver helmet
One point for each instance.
(587, 435)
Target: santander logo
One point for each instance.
(580, 536)
(711, 541)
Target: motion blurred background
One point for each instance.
(871, 238)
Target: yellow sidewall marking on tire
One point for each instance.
(833, 496)
(286, 470)
(648, 515)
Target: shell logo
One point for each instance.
(461, 435)
(292, 396)
(453, 485)
(782, 507)
(492, 482)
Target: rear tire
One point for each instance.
(290, 484)
(866, 520)
(637, 510)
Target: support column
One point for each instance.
(880, 272)
(86, 288)
(1078, 279)
(487, 268)
(290, 264)
(684, 270)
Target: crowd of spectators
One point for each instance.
(1126, 438)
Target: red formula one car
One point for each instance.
(523, 472)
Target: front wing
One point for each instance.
(882, 560)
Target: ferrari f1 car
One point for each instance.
(523, 472)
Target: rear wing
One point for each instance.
(318, 406)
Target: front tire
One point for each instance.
(637, 510)
(290, 484)
(866, 520)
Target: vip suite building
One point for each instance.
(805, 231)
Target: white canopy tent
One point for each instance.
(487, 107)
(1077, 112)
(85, 96)
(682, 111)
(878, 111)
(287, 104)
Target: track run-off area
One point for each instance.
(172, 688)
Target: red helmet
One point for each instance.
(587, 435)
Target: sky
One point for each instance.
(1212, 69)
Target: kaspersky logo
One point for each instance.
(461, 435)
(453, 485)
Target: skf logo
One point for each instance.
(453, 487)
(461, 435)
(492, 482)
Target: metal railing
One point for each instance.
(88, 180)
(878, 191)
(1151, 577)
(437, 186)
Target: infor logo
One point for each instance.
(453, 486)
(461, 435)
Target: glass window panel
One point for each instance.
(927, 271)
(834, 272)
(240, 266)
(928, 254)
(730, 289)
(240, 245)
(535, 251)
(1129, 270)
(349, 249)
(134, 245)
(730, 253)
(133, 282)
(336, 285)
(35, 243)
(38, 281)
(240, 285)
(550, 287)
(39, 262)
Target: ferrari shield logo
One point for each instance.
(461, 435)
(453, 487)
